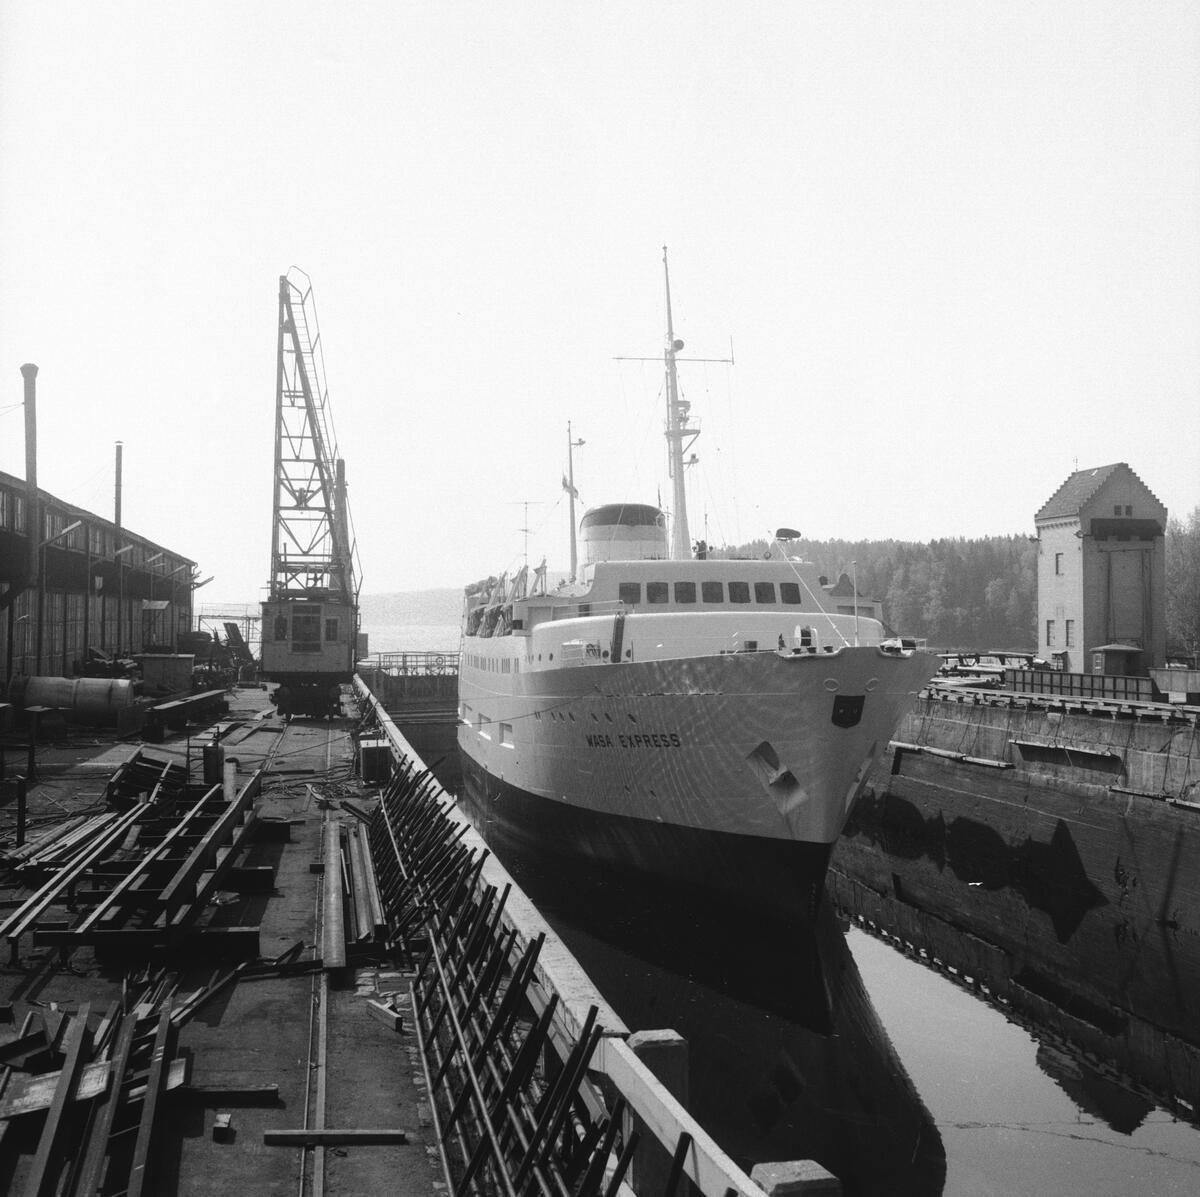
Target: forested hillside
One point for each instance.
(954, 593)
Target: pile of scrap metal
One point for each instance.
(141, 880)
(81, 1094)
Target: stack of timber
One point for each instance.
(139, 879)
(82, 1095)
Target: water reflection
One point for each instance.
(1112, 992)
(788, 1059)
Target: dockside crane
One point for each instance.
(310, 638)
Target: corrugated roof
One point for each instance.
(1076, 491)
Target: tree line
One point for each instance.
(981, 593)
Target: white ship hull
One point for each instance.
(730, 774)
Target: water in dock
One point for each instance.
(904, 1053)
(896, 1075)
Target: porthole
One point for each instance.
(831, 685)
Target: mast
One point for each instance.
(679, 435)
(571, 446)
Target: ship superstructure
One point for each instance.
(703, 721)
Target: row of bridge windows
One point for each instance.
(685, 593)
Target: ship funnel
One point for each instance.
(624, 532)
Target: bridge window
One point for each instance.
(764, 592)
(630, 592)
(656, 592)
(685, 592)
(739, 592)
(712, 592)
(790, 592)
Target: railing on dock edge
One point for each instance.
(487, 966)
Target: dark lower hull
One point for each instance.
(769, 879)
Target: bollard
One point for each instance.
(665, 1053)
(795, 1176)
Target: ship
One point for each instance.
(705, 722)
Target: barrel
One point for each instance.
(89, 699)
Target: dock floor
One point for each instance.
(348, 1072)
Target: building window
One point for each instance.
(712, 592)
(1049, 633)
(656, 592)
(1128, 510)
(630, 593)
(764, 592)
(1070, 633)
(1116, 509)
(1058, 563)
(685, 592)
(306, 630)
(739, 592)
(331, 629)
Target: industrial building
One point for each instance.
(1102, 574)
(76, 589)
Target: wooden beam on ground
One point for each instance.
(332, 1137)
(156, 854)
(102, 1124)
(74, 1048)
(154, 1086)
(185, 887)
(23, 918)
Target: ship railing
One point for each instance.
(422, 663)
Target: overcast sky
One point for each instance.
(955, 247)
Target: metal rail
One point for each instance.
(500, 1124)
(562, 1090)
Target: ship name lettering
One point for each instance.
(642, 740)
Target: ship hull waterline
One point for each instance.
(737, 795)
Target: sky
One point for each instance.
(954, 249)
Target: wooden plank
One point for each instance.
(28, 1094)
(97, 1148)
(331, 1137)
(706, 1164)
(77, 1041)
(161, 850)
(154, 1086)
(22, 919)
(182, 889)
(229, 1095)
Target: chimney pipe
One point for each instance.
(33, 523)
(117, 501)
